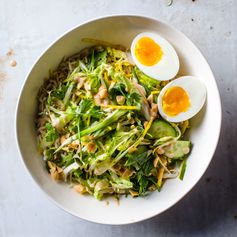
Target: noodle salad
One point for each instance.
(99, 128)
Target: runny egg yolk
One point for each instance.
(175, 101)
(147, 51)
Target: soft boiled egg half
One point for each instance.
(181, 99)
(155, 56)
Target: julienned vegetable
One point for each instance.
(99, 128)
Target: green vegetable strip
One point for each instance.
(110, 119)
(182, 169)
(68, 94)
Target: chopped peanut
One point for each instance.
(62, 139)
(79, 188)
(74, 144)
(160, 151)
(103, 93)
(120, 99)
(91, 147)
(97, 99)
(56, 172)
(133, 193)
(80, 82)
(154, 110)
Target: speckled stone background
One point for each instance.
(27, 27)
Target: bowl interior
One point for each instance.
(204, 133)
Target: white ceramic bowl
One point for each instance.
(204, 133)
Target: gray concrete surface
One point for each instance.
(27, 27)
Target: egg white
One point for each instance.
(196, 91)
(167, 68)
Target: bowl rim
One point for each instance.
(20, 153)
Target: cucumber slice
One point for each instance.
(160, 128)
(177, 150)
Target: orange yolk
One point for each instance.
(175, 101)
(148, 52)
